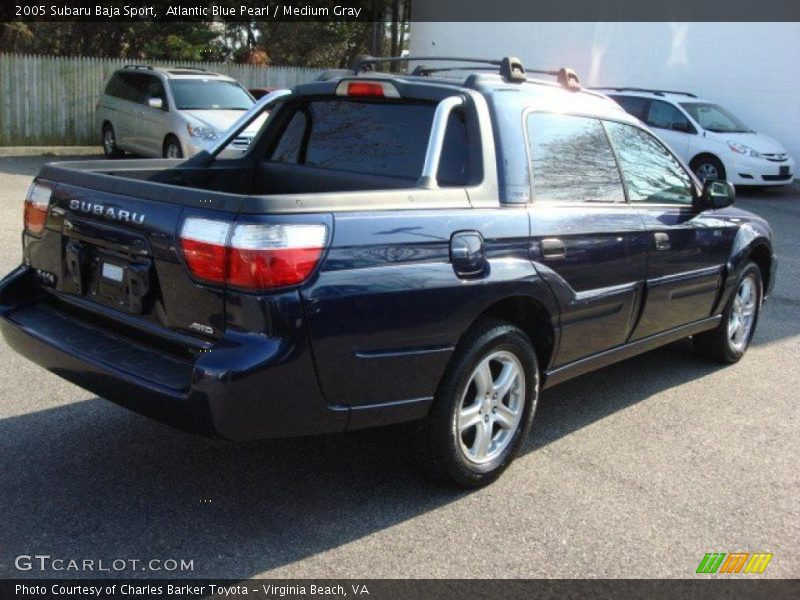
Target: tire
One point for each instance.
(728, 342)
(172, 148)
(109, 139)
(708, 167)
(475, 455)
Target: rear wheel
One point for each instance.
(172, 147)
(728, 342)
(110, 148)
(708, 168)
(483, 408)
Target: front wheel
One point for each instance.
(708, 168)
(483, 408)
(172, 147)
(728, 342)
(110, 148)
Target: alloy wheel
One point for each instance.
(740, 322)
(108, 141)
(707, 171)
(491, 407)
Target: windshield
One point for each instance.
(208, 94)
(715, 118)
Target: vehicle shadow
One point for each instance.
(92, 480)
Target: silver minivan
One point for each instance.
(171, 112)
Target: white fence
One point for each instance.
(50, 100)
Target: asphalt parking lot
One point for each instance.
(634, 471)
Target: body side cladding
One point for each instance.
(608, 357)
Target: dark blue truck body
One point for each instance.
(407, 270)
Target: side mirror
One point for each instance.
(155, 103)
(717, 194)
(681, 126)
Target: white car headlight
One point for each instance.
(740, 148)
(201, 131)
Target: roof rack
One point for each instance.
(645, 90)
(184, 68)
(509, 67)
(138, 67)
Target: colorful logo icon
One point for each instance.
(735, 562)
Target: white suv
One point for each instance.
(171, 112)
(711, 140)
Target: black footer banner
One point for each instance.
(390, 589)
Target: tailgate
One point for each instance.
(120, 255)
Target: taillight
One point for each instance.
(256, 256)
(204, 244)
(367, 89)
(37, 203)
(269, 256)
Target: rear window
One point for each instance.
(375, 138)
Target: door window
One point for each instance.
(155, 89)
(572, 160)
(665, 116)
(651, 173)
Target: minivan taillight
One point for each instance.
(252, 256)
(37, 203)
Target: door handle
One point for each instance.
(662, 241)
(467, 254)
(553, 248)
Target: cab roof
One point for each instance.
(499, 80)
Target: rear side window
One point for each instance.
(665, 116)
(116, 87)
(129, 86)
(572, 160)
(375, 138)
(291, 142)
(454, 163)
(634, 105)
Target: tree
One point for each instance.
(321, 44)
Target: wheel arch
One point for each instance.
(707, 154)
(167, 138)
(761, 254)
(750, 245)
(531, 316)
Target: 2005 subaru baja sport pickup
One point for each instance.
(390, 248)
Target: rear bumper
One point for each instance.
(246, 386)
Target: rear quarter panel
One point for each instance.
(387, 309)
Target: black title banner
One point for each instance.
(379, 10)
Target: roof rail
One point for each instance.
(138, 67)
(645, 90)
(509, 67)
(185, 68)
